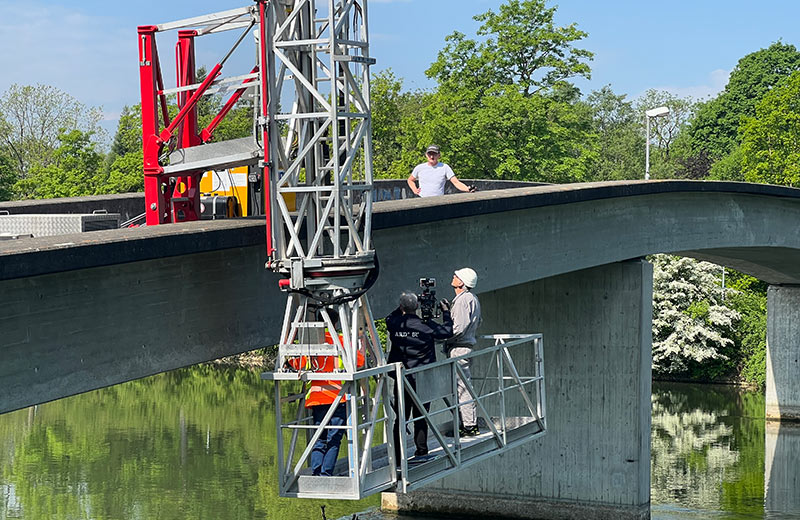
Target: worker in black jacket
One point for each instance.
(413, 345)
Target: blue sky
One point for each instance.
(88, 48)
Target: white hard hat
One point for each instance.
(467, 276)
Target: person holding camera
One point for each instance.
(466, 313)
(432, 176)
(412, 340)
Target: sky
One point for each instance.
(88, 48)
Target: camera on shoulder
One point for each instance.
(427, 298)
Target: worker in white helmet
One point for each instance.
(466, 314)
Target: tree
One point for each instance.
(7, 177)
(504, 107)
(770, 150)
(692, 326)
(128, 137)
(75, 170)
(523, 48)
(123, 166)
(125, 174)
(715, 129)
(749, 299)
(31, 119)
(619, 137)
(385, 98)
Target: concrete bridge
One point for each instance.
(80, 312)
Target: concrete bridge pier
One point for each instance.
(783, 352)
(594, 461)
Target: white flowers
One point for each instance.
(690, 320)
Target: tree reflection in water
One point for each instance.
(200, 443)
(707, 449)
(193, 443)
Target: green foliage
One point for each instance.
(7, 177)
(667, 151)
(32, 118)
(125, 174)
(512, 136)
(749, 299)
(771, 139)
(729, 168)
(193, 443)
(619, 137)
(71, 172)
(503, 107)
(522, 47)
(389, 110)
(128, 138)
(715, 129)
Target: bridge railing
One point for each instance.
(507, 388)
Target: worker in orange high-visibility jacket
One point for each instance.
(320, 396)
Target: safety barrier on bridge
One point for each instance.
(510, 406)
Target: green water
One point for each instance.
(199, 443)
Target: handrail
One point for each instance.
(509, 401)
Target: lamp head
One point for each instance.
(657, 112)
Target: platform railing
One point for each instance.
(510, 406)
(507, 387)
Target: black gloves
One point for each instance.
(444, 305)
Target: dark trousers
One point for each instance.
(326, 449)
(420, 426)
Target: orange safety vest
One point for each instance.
(323, 391)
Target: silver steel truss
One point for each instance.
(510, 401)
(320, 173)
(319, 106)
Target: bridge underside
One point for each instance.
(777, 265)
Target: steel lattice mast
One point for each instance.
(316, 98)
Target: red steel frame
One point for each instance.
(170, 198)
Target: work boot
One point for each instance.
(419, 459)
(468, 431)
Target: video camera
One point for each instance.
(427, 299)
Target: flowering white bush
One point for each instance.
(690, 319)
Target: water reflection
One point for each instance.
(782, 472)
(707, 450)
(193, 443)
(200, 443)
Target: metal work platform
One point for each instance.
(510, 407)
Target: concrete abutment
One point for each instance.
(594, 461)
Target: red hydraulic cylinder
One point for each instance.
(154, 192)
(186, 192)
(262, 55)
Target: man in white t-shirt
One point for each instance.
(433, 175)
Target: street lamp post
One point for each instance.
(653, 112)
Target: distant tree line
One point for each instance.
(504, 107)
(51, 145)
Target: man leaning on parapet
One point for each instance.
(432, 176)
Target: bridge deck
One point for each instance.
(32, 257)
